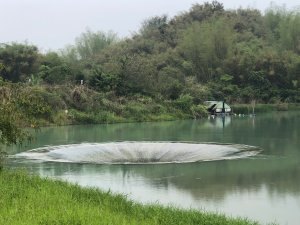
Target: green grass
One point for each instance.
(31, 200)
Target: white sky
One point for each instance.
(52, 24)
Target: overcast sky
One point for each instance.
(52, 24)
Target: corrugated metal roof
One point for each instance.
(218, 104)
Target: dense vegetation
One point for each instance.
(164, 71)
(72, 104)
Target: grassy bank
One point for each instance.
(33, 200)
(45, 105)
(78, 104)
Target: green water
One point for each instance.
(265, 187)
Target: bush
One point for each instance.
(61, 118)
(199, 111)
(81, 117)
(112, 106)
(101, 81)
(184, 102)
(282, 107)
(135, 110)
(53, 100)
(32, 103)
(108, 117)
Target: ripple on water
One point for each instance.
(139, 152)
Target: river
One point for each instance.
(263, 187)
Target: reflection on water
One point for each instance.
(265, 187)
(218, 121)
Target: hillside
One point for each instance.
(164, 70)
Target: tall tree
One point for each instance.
(18, 61)
(206, 48)
(89, 43)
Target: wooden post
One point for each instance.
(223, 109)
(253, 106)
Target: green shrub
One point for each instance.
(282, 107)
(184, 102)
(135, 110)
(107, 117)
(53, 99)
(112, 106)
(199, 111)
(32, 103)
(81, 117)
(61, 118)
(156, 108)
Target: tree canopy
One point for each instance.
(206, 45)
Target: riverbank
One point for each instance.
(46, 105)
(33, 200)
(263, 108)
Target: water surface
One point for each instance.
(263, 187)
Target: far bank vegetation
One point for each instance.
(164, 71)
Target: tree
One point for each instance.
(155, 28)
(272, 20)
(251, 21)
(289, 31)
(206, 48)
(10, 133)
(284, 28)
(137, 75)
(201, 12)
(103, 82)
(170, 82)
(53, 69)
(89, 44)
(18, 61)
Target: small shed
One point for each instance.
(217, 107)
